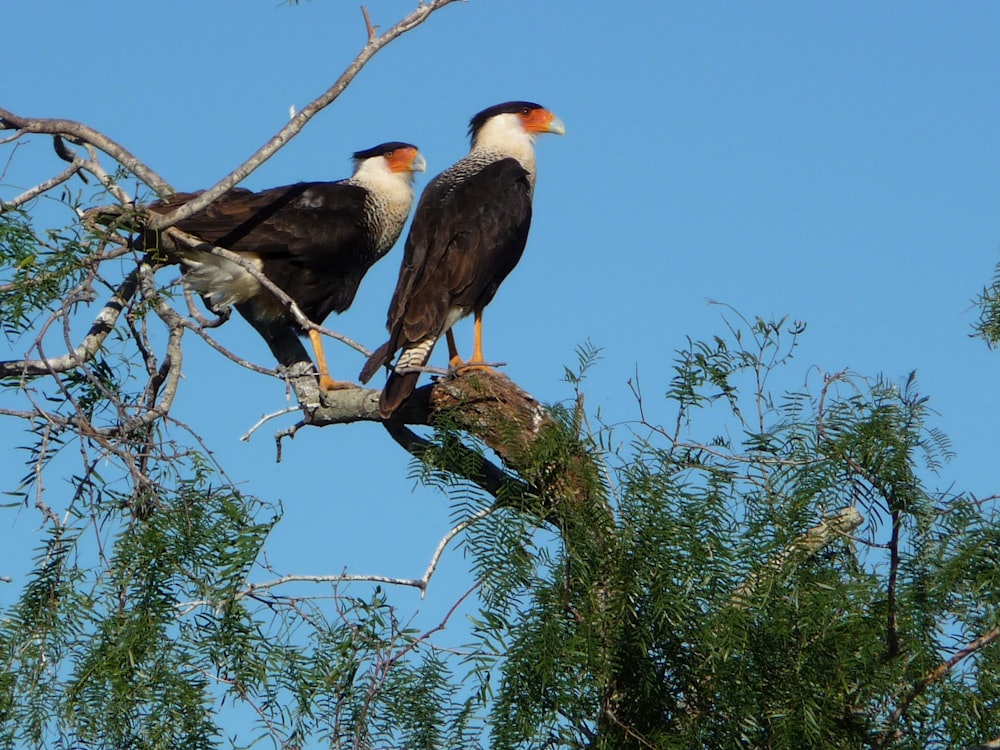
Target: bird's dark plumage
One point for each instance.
(468, 233)
(314, 240)
(310, 239)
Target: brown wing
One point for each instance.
(312, 238)
(464, 241)
(466, 237)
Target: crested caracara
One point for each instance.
(314, 240)
(468, 233)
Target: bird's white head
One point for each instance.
(512, 127)
(394, 161)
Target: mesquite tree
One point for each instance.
(783, 579)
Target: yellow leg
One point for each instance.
(326, 383)
(477, 338)
(476, 363)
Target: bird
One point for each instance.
(314, 240)
(468, 232)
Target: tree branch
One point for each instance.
(490, 477)
(265, 152)
(254, 589)
(933, 676)
(92, 341)
(42, 187)
(78, 132)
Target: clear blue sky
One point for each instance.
(834, 162)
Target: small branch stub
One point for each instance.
(372, 30)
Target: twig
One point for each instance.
(231, 356)
(197, 243)
(9, 139)
(85, 133)
(99, 330)
(268, 417)
(40, 188)
(443, 544)
(256, 588)
(934, 675)
(265, 152)
(419, 583)
(368, 24)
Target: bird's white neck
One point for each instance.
(505, 134)
(375, 175)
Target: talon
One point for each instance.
(327, 383)
(464, 367)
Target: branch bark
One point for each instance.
(372, 46)
(105, 322)
(77, 132)
(930, 678)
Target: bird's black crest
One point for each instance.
(381, 149)
(480, 119)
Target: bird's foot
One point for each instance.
(326, 383)
(463, 367)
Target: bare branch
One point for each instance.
(81, 133)
(419, 583)
(42, 187)
(933, 676)
(199, 328)
(9, 139)
(446, 540)
(289, 303)
(170, 373)
(99, 330)
(265, 152)
(77, 131)
(255, 589)
(267, 418)
(372, 31)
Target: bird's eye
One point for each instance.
(526, 111)
(387, 154)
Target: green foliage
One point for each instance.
(110, 657)
(641, 585)
(988, 302)
(145, 641)
(37, 270)
(698, 624)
